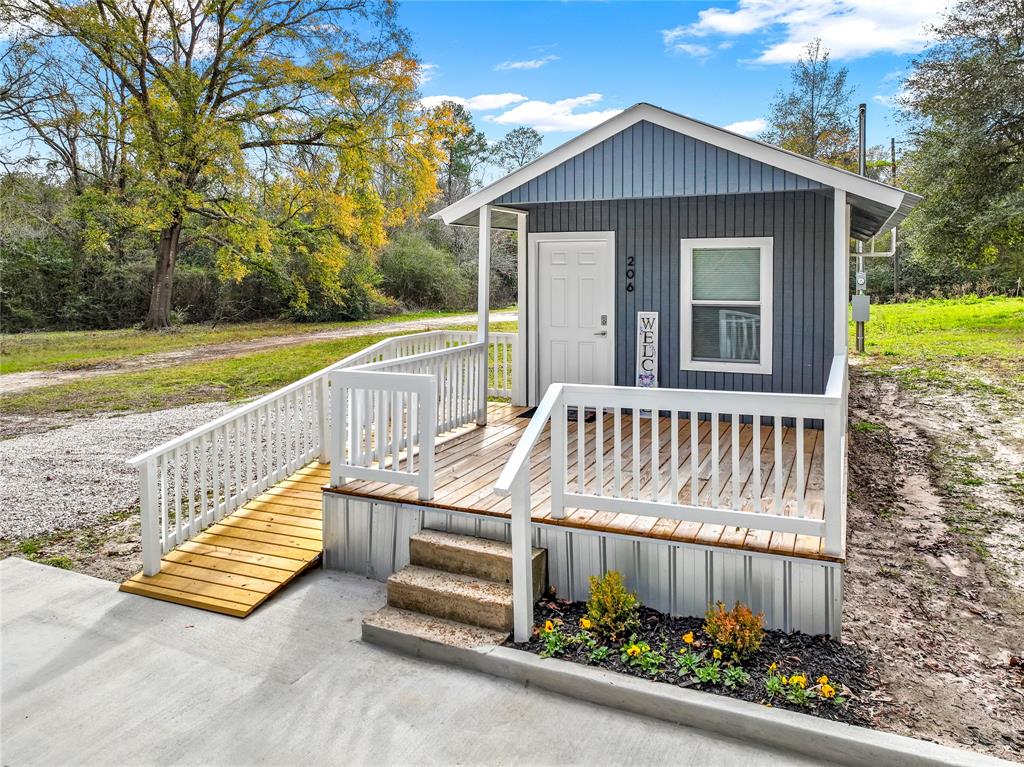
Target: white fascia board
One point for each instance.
(742, 145)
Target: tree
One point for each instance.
(965, 98)
(463, 150)
(519, 147)
(205, 102)
(815, 118)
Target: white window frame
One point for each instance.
(767, 256)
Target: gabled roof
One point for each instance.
(877, 206)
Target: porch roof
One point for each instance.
(876, 207)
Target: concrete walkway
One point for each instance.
(94, 676)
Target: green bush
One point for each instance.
(612, 607)
(421, 275)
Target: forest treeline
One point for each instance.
(249, 159)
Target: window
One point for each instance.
(727, 305)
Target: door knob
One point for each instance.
(601, 333)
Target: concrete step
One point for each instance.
(469, 555)
(453, 596)
(402, 630)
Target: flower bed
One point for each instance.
(811, 674)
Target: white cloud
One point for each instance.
(747, 127)
(849, 29)
(692, 49)
(484, 102)
(557, 116)
(426, 73)
(891, 100)
(527, 64)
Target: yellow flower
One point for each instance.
(716, 654)
(773, 666)
(828, 691)
(586, 623)
(785, 680)
(822, 679)
(688, 637)
(549, 626)
(798, 680)
(633, 650)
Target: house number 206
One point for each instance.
(630, 273)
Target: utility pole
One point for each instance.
(895, 244)
(862, 163)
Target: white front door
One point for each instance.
(575, 310)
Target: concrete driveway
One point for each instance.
(93, 676)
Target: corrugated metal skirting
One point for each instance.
(682, 579)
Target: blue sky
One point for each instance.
(563, 67)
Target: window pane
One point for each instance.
(727, 274)
(730, 333)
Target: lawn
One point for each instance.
(230, 379)
(76, 349)
(975, 343)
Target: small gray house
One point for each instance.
(672, 404)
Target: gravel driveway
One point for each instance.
(75, 475)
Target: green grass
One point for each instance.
(974, 344)
(947, 329)
(76, 349)
(230, 379)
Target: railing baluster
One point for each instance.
(674, 436)
(191, 463)
(177, 496)
(716, 456)
(655, 454)
(801, 485)
(735, 427)
(599, 450)
(634, 418)
(617, 462)
(694, 456)
(755, 492)
(581, 449)
(204, 517)
(777, 465)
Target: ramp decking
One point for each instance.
(238, 563)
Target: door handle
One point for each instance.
(601, 333)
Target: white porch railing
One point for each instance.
(194, 480)
(390, 412)
(608, 467)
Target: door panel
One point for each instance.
(576, 289)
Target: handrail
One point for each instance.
(362, 354)
(520, 458)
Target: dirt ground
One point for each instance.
(17, 382)
(935, 562)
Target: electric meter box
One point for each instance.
(861, 308)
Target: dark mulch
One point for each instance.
(811, 655)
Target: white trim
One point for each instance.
(520, 361)
(767, 261)
(532, 331)
(840, 271)
(770, 155)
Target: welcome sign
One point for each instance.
(647, 350)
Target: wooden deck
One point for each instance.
(238, 563)
(468, 464)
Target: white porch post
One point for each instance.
(519, 357)
(483, 309)
(841, 270)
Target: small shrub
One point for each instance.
(737, 631)
(611, 608)
(709, 672)
(735, 676)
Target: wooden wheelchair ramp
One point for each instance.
(238, 563)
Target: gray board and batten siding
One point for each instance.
(649, 231)
(647, 160)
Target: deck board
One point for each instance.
(238, 563)
(467, 466)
